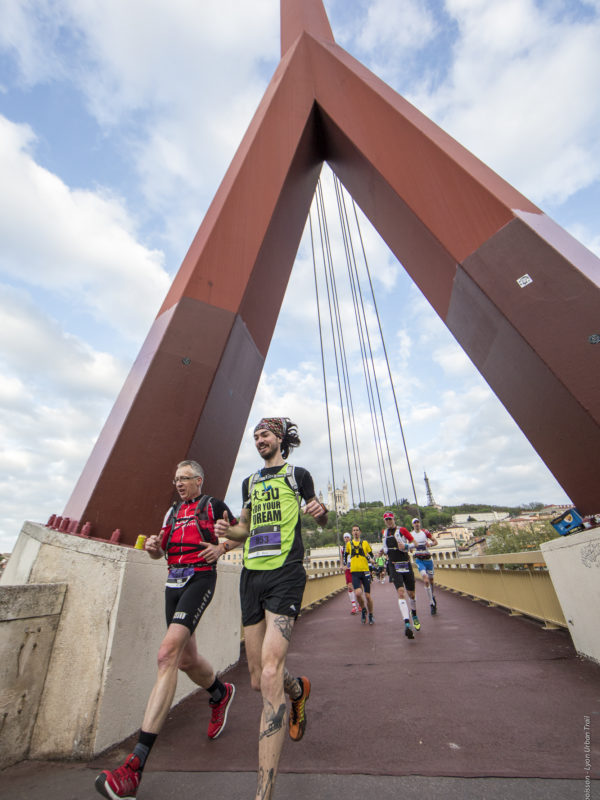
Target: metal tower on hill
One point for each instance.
(430, 500)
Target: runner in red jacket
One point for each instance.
(191, 547)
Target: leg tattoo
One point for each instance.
(291, 686)
(265, 783)
(274, 720)
(285, 625)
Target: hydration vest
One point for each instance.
(357, 550)
(290, 477)
(204, 520)
(394, 553)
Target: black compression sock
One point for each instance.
(217, 691)
(143, 747)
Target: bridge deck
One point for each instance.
(478, 694)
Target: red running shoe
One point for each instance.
(122, 783)
(219, 712)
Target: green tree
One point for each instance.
(504, 538)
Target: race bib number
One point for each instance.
(265, 542)
(179, 576)
(423, 553)
(402, 566)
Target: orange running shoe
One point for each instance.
(298, 711)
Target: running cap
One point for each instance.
(388, 515)
(347, 535)
(415, 520)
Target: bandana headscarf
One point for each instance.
(388, 515)
(276, 425)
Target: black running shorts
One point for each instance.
(185, 606)
(362, 579)
(276, 590)
(399, 579)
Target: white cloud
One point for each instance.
(523, 93)
(35, 348)
(74, 242)
(400, 26)
(76, 265)
(453, 360)
(168, 83)
(24, 24)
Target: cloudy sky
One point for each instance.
(117, 123)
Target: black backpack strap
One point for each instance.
(172, 519)
(252, 481)
(290, 477)
(202, 503)
(357, 550)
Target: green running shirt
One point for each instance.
(275, 529)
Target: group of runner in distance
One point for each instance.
(396, 544)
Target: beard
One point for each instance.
(268, 451)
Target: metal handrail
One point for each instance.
(528, 591)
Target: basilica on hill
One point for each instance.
(337, 499)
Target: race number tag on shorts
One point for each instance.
(265, 542)
(402, 566)
(179, 576)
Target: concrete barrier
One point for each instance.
(29, 617)
(574, 565)
(102, 665)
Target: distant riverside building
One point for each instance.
(478, 518)
(323, 558)
(455, 533)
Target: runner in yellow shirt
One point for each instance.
(360, 554)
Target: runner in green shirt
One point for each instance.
(272, 584)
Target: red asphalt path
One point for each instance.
(477, 693)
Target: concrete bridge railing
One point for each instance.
(559, 585)
(519, 582)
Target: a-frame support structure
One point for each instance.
(465, 236)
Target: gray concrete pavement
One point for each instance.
(53, 781)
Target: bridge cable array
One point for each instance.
(338, 345)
